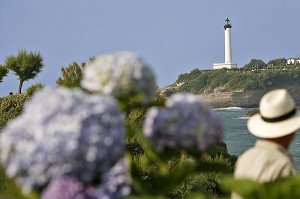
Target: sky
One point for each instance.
(172, 36)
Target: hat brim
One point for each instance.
(259, 128)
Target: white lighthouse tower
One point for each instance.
(228, 57)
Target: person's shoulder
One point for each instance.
(264, 154)
(251, 150)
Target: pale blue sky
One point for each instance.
(173, 36)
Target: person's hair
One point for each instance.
(285, 141)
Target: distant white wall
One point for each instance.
(293, 60)
(224, 65)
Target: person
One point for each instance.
(275, 125)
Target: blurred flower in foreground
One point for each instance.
(65, 187)
(185, 122)
(118, 74)
(62, 132)
(116, 183)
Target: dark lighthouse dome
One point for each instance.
(227, 24)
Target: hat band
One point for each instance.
(280, 118)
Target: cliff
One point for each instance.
(233, 99)
(251, 98)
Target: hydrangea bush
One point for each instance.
(61, 132)
(70, 143)
(186, 122)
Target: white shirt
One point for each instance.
(264, 162)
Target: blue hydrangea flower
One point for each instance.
(120, 73)
(185, 122)
(65, 187)
(116, 183)
(62, 132)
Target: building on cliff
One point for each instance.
(293, 61)
(228, 50)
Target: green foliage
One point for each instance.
(10, 107)
(3, 180)
(3, 72)
(136, 112)
(33, 88)
(232, 80)
(175, 173)
(9, 190)
(248, 189)
(255, 64)
(281, 62)
(71, 75)
(204, 182)
(25, 65)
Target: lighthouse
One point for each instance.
(227, 28)
(228, 50)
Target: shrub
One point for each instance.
(33, 88)
(10, 107)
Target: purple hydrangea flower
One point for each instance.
(185, 122)
(116, 183)
(66, 187)
(60, 132)
(120, 73)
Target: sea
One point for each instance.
(238, 138)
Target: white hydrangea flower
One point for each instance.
(185, 122)
(120, 73)
(62, 132)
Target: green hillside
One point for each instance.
(198, 81)
(255, 75)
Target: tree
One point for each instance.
(25, 65)
(255, 64)
(72, 75)
(3, 72)
(278, 62)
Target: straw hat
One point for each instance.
(278, 116)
